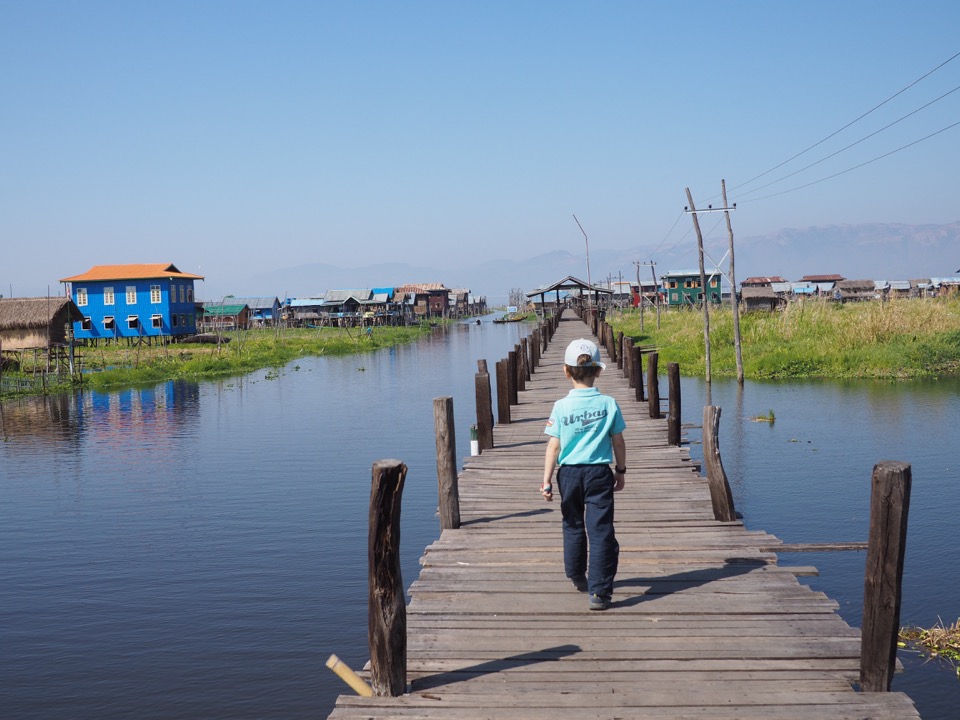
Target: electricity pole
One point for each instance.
(586, 241)
(703, 284)
(733, 283)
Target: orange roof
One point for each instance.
(132, 272)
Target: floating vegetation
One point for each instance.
(940, 642)
(768, 418)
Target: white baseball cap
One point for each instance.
(582, 347)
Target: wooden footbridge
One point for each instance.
(704, 622)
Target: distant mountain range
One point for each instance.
(870, 251)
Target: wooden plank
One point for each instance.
(705, 623)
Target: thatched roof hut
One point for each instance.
(36, 323)
(759, 297)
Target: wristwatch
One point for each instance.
(620, 470)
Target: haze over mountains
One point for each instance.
(869, 251)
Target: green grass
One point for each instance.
(893, 340)
(114, 366)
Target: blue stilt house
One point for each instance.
(133, 301)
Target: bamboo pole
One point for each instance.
(346, 674)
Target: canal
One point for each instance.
(199, 550)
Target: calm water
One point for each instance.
(806, 478)
(198, 551)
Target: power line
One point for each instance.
(836, 132)
(857, 142)
(668, 233)
(856, 167)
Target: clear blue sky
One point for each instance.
(235, 137)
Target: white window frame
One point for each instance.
(109, 323)
(82, 298)
(189, 293)
(131, 294)
(133, 322)
(156, 321)
(108, 296)
(155, 295)
(183, 293)
(86, 323)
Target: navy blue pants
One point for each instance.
(586, 503)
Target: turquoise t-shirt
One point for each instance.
(584, 421)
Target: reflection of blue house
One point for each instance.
(152, 300)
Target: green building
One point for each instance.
(683, 287)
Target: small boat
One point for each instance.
(511, 317)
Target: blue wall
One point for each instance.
(169, 305)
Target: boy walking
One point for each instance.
(586, 435)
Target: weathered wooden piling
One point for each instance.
(636, 369)
(449, 494)
(386, 609)
(673, 413)
(503, 392)
(653, 385)
(720, 496)
(484, 404)
(889, 507)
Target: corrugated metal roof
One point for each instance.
(305, 302)
(147, 271)
(256, 303)
(219, 309)
(899, 284)
(339, 296)
(781, 287)
(687, 273)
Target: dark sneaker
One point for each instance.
(598, 603)
(579, 582)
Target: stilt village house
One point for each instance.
(683, 287)
(36, 323)
(134, 301)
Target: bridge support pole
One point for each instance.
(386, 610)
(889, 506)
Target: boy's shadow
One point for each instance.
(661, 585)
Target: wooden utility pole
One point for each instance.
(656, 290)
(733, 284)
(703, 286)
(586, 241)
(639, 295)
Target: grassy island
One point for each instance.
(118, 365)
(896, 339)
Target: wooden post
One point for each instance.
(484, 410)
(703, 287)
(733, 283)
(443, 424)
(503, 392)
(653, 385)
(627, 359)
(636, 370)
(673, 415)
(889, 506)
(482, 365)
(620, 350)
(512, 364)
(525, 348)
(386, 610)
(720, 496)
